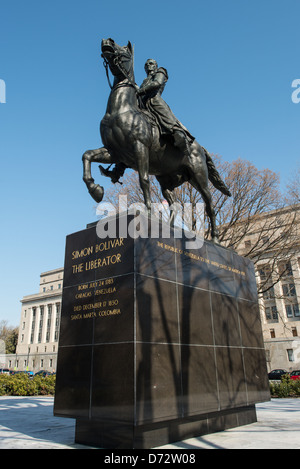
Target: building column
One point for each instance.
(36, 328)
(52, 329)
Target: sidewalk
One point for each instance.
(28, 423)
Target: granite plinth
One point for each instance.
(158, 342)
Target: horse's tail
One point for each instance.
(214, 176)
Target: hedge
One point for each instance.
(285, 388)
(22, 385)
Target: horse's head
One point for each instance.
(119, 58)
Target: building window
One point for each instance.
(268, 313)
(269, 294)
(285, 269)
(57, 318)
(294, 332)
(292, 310)
(272, 333)
(290, 353)
(274, 312)
(288, 289)
(49, 323)
(289, 311)
(271, 313)
(41, 324)
(265, 272)
(33, 325)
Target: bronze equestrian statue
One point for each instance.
(139, 131)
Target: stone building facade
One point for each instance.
(278, 278)
(39, 326)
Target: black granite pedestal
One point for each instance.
(158, 342)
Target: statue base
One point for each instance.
(104, 434)
(159, 342)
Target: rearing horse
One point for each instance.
(130, 138)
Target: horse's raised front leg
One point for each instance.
(100, 155)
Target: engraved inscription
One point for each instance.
(196, 257)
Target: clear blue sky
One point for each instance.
(231, 65)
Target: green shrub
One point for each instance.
(45, 385)
(286, 387)
(22, 385)
(3, 385)
(296, 387)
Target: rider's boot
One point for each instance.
(181, 142)
(114, 174)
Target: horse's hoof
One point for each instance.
(97, 192)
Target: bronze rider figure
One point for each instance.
(150, 93)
